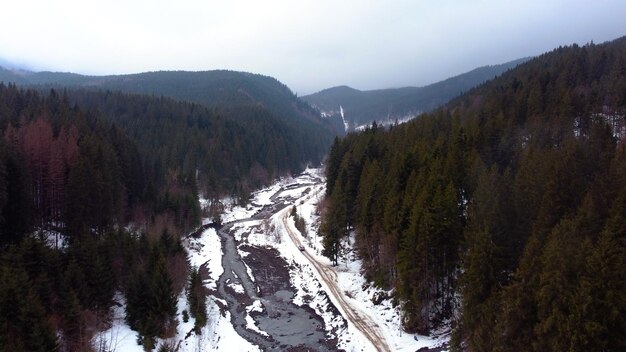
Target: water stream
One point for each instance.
(287, 324)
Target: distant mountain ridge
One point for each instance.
(364, 107)
(234, 93)
(210, 88)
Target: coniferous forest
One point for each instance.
(502, 213)
(72, 173)
(229, 148)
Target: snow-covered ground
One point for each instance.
(250, 323)
(390, 121)
(51, 238)
(206, 250)
(305, 192)
(218, 334)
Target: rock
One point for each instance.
(378, 298)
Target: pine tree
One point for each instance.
(598, 303)
(334, 227)
(562, 260)
(17, 210)
(196, 297)
(36, 142)
(38, 334)
(164, 298)
(73, 322)
(478, 286)
(332, 165)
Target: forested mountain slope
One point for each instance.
(504, 211)
(71, 185)
(229, 150)
(210, 88)
(364, 107)
(218, 88)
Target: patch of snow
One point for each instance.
(250, 323)
(263, 197)
(310, 289)
(217, 335)
(238, 213)
(257, 201)
(308, 283)
(249, 271)
(392, 121)
(244, 228)
(256, 306)
(387, 317)
(50, 238)
(292, 193)
(207, 249)
(119, 337)
(262, 237)
(237, 287)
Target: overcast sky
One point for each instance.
(308, 45)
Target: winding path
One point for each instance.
(361, 321)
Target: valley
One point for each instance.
(208, 208)
(270, 289)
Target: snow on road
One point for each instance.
(354, 291)
(362, 333)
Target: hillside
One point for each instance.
(269, 127)
(501, 214)
(363, 107)
(209, 88)
(84, 211)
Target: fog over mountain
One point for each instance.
(308, 45)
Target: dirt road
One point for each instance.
(359, 319)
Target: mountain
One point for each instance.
(364, 107)
(501, 214)
(210, 88)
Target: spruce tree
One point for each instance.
(196, 297)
